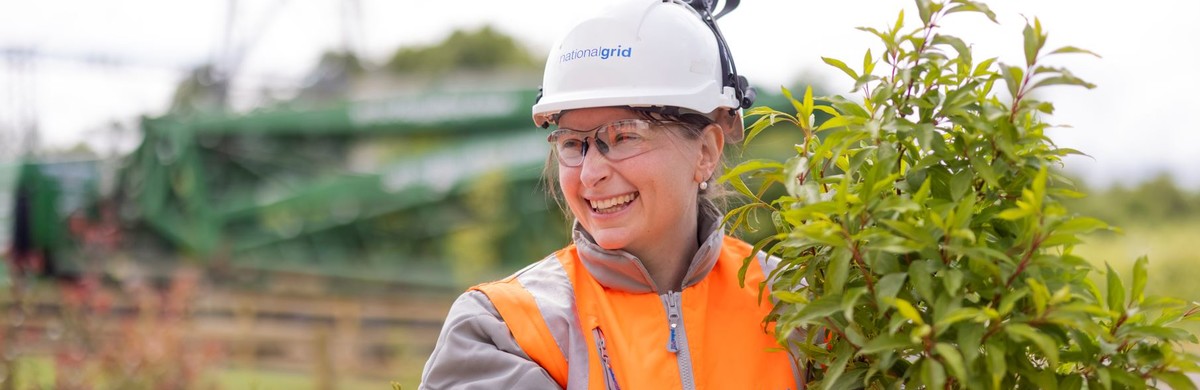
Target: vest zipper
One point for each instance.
(678, 343)
(610, 378)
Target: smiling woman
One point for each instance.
(649, 295)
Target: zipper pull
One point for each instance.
(672, 346)
(673, 322)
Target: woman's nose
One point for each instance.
(595, 166)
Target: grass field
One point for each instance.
(1171, 249)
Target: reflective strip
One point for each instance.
(516, 306)
(554, 294)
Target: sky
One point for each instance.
(104, 62)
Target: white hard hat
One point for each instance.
(643, 53)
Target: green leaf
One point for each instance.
(838, 367)
(1022, 332)
(960, 183)
(1177, 381)
(868, 64)
(908, 311)
(1014, 213)
(1127, 379)
(1093, 290)
(1081, 225)
(955, 316)
(983, 267)
(796, 104)
(789, 296)
(923, 9)
(1072, 49)
(983, 67)
(922, 279)
(1058, 239)
(820, 308)
(811, 350)
(1013, 77)
(850, 379)
(1104, 378)
(804, 110)
(839, 268)
(1041, 295)
(933, 374)
(835, 122)
(1139, 280)
(952, 279)
(964, 51)
(972, 6)
(888, 286)
(763, 122)
(849, 300)
(1065, 79)
(740, 186)
(996, 363)
(1010, 299)
(970, 341)
(761, 110)
(1159, 332)
(886, 342)
(953, 360)
(1031, 45)
(841, 65)
(1116, 291)
(899, 24)
(1071, 382)
(981, 166)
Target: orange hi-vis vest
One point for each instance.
(708, 336)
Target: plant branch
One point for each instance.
(1033, 247)
(858, 261)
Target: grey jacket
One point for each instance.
(476, 349)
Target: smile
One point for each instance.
(611, 205)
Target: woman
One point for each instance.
(644, 97)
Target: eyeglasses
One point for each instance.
(617, 140)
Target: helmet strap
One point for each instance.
(744, 93)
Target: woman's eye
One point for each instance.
(569, 144)
(626, 137)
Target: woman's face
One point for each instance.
(639, 201)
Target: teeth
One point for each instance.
(610, 202)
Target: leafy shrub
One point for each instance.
(923, 237)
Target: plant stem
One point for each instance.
(858, 261)
(1037, 241)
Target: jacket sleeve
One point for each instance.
(476, 350)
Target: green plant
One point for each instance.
(923, 239)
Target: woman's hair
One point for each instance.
(693, 125)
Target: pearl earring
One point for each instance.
(703, 185)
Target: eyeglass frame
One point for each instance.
(594, 132)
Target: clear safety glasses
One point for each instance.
(617, 140)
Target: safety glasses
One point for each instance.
(617, 140)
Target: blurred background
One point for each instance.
(289, 194)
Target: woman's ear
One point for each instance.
(712, 144)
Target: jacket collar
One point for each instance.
(620, 270)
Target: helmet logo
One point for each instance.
(603, 53)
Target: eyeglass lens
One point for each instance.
(616, 141)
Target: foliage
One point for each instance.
(923, 237)
(1151, 202)
(484, 49)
